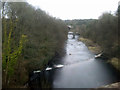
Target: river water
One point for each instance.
(79, 68)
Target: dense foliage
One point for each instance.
(31, 38)
(103, 31)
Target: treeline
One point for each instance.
(31, 38)
(78, 24)
(103, 31)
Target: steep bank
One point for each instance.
(44, 35)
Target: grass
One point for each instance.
(114, 62)
(93, 47)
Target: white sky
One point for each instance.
(76, 9)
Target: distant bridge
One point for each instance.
(69, 27)
(73, 33)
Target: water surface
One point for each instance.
(81, 69)
(78, 68)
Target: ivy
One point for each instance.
(10, 54)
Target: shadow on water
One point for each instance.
(77, 69)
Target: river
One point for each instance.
(79, 68)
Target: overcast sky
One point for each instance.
(76, 9)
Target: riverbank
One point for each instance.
(114, 62)
(96, 49)
(93, 47)
(113, 85)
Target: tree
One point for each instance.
(10, 54)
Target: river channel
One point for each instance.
(79, 68)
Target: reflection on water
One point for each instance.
(78, 69)
(81, 69)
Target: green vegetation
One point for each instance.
(78, 25)
(31, 38)
(93, 47)
(103, 32)
(115, 63)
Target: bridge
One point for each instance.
(71, 31)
